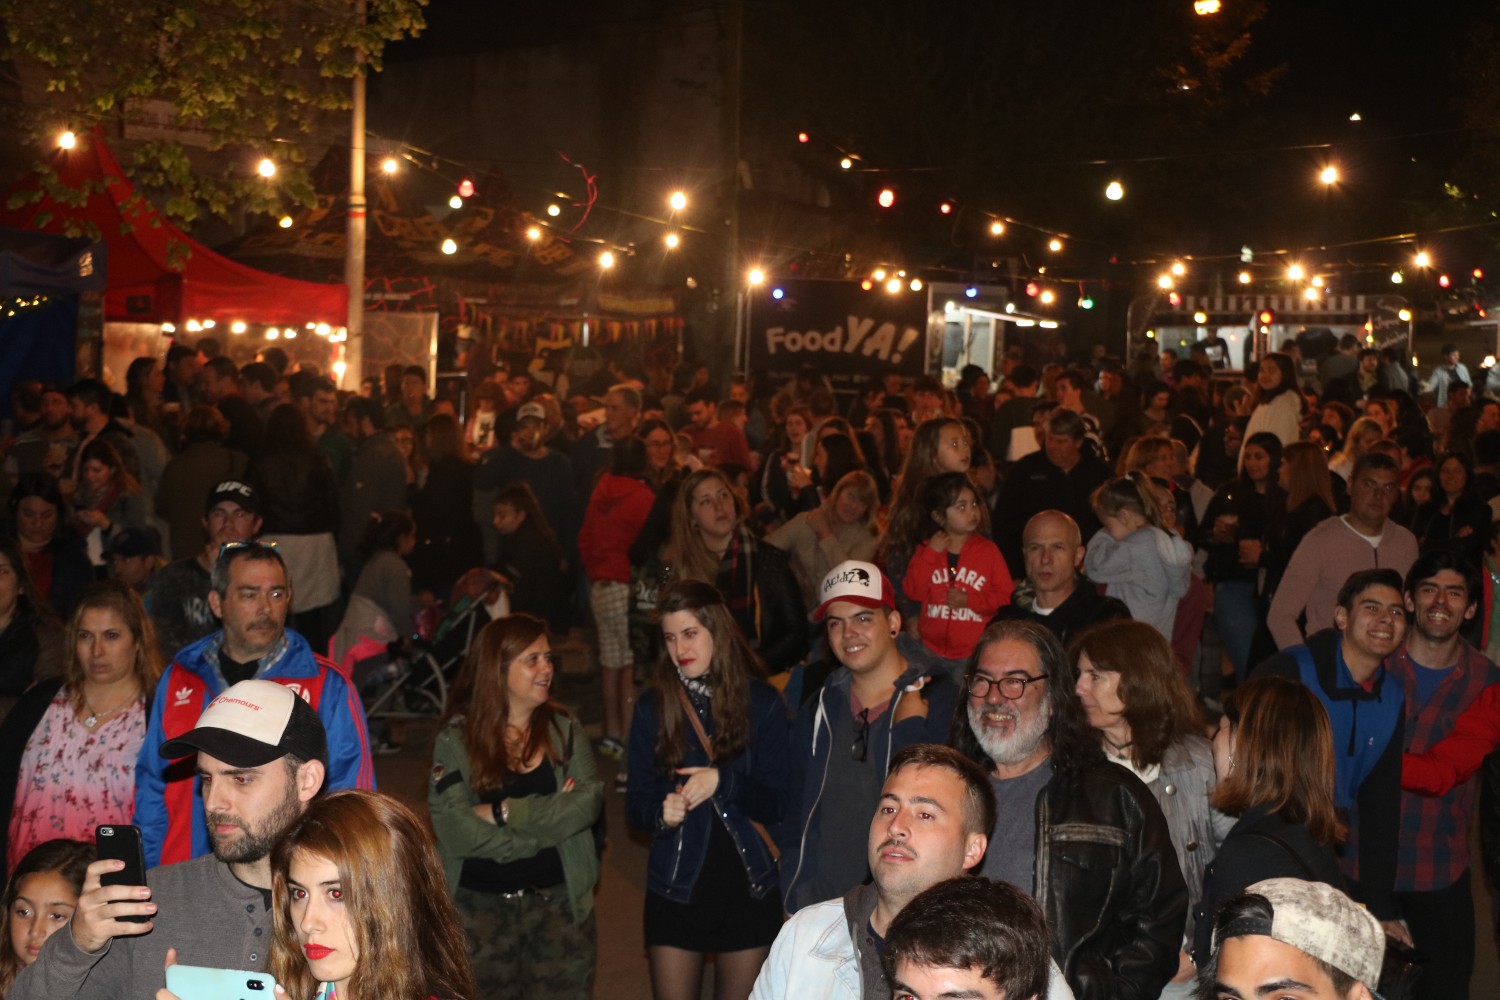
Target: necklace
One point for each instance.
(95, 716)
(1119, 748)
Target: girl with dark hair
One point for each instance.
(940, 445)
(616, 513)
(710, 768)
(1278, 404)
(1129, 685)
(384, 577)
(1456, 515)
(448, 542)
(834, 457)
(39, 901)
(108, 498)
(529, 558)
(1273, 755)
(55, 563)
(514, 798)
(298, 492)
(1136, 560)
(1235, 526)
(360, 909)
(782, 455)
(957, 576)
(68, 749)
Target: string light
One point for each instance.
(1397, 277)
(946, 207)
(286, 222)
(678, 201)
(606, 260)
(238, 326)
(534, 233)
(845, 163)
(1422, 259)
(879, 274)
(887, 198)
(757, 277)
(1114, 191)
(389, 165)
(1294, 272)
(997, 228)
(273, 334)
(1329, 175)
(916, 284)
(1244, 277)
(893, 286)
(553, 210)
(1164, 282)
(1200, 317)
(267, 168)
(67, 140)
(1311, 294)
(466, 188)
(1047, 297)
(1055, 245)
(803, 137)
(1317, 281)
(672, 240)
(1404, 315)
(1178, 269)
(456, 202)
(449, 247)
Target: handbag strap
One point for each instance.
(692, 714)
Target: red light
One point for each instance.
(803, 136)
(945, 208)
(1444, 281)
(466, 188)
(867, 284)
(1032, 289)
(1174, 298)
(1267, 317)
(1478, 273)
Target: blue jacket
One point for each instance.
(812, 745)
(168, 803)
(756, 785)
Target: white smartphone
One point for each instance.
(196, 982)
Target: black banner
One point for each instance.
(848, 333)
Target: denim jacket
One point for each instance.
(755, 786)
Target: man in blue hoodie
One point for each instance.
(251, 594)
(890, 694)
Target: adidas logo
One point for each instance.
(182, 696)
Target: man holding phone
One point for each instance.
(262, 756)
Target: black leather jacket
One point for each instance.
(1108, 880)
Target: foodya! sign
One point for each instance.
(848, 333)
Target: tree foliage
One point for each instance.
(242, 79)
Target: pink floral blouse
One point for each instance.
(73, 779)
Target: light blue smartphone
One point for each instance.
(195, 982)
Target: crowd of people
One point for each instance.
(1074, 682)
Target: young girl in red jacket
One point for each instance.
(958, 574)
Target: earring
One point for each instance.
(893, 633)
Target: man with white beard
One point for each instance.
(1085, 837)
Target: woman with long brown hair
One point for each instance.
(940, 445)
(514, 798)
(68, 749)
(710, 768)
(360, 909)
(1273, 754)
(1129, 685)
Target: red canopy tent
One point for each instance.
(156, 272)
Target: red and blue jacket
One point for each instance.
(168, 804)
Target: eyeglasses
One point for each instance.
(1012, 686)
(252, 544)
(860, 751)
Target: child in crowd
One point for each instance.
(958, 575)
(530, 557)
(1133, 556)
(39, 901)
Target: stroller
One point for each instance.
(410, 680)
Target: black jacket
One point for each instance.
(1261, 845)
(1083, 608)
(298, 492)
(1108, 879)
(15, 733)
(1033, 485)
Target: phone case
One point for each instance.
(122, 842)
(196, 982)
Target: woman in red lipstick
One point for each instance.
(514, 798)
(361, 908)
(710, 768)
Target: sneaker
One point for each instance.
(612, 748)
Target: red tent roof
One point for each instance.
(156, 272)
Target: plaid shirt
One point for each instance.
(1434, 844)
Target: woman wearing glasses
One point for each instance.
(710, 768)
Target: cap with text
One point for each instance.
(236, 492)
(1318, 920)
(253, 723)
(857, 582)
(531, 411)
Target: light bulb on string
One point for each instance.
(266, 167)
(946, 208)
(1178, 269)
(1055, 245)
(1244, 277)
(390, 165)
(606, 260)
(1164, 281)
(1444, 281)
(285, 222)
(1422, 259)
(1329, 175)
(534, 233)
(879, 274)
(677, 202)
(1114, 191)
(672, 240)
(887, 198)
(553, 210)
(449, 247)
(67, 140)
(456, 202)
(803, 137)
(1397, 277)
(466, 188)
(997, 228)
(1047, 297)
(893, 286)
(757, 277)
(845, 163)
(916, 284)
(1294, 272)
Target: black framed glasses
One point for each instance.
(860, 751)
(1012, 686)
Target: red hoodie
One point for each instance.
(616, 513)
(952, 633)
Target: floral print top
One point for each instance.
(73, 778)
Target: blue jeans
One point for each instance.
(1237, 614)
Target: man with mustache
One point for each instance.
(262, 756)
(1345, 667)
(250, 592)
(928, 827)
(1082, 835)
